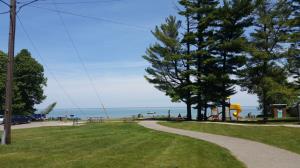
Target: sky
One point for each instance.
(106, 46)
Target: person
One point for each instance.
(179, 116)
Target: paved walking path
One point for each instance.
(252, 154)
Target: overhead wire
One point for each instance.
(5, 3)
(1, 13)
(80, 59)
(86, 16)
(46, 66)
(28, 1)
(26, 4)
(80, 2)
(59, 12)
(94, 18)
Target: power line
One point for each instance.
(80, 59)
(76, 50)
(80, 2)
(28, 1)
(44, 63)
(94, 18)
(26, 4)
(51, 73)
(5, 3)
(1, 13)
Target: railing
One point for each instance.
(96, 119)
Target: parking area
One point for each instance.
(40, 124)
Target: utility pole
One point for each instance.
(6, 137)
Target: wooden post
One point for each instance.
(6, 137)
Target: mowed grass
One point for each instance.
(282, 137)
(110, 145)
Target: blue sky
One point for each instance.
(110, 48)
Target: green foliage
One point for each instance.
(294, 51)
(168, 71)
(229, 44)
(3, 60)
(265, 75)
(49, 108)
(28, 85)
(215, 53)
(199, 35)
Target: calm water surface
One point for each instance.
(129, 112)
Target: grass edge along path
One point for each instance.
(279, 136)
(111, 145)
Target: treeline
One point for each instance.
(28, 85)
(219, 45)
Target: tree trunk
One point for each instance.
(205, 112)
(264, 92)
(265, 109)
(199, 112)
(224, 110)
(189, 110)
(188, 102)
(224, 88)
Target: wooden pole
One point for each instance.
(6, 137)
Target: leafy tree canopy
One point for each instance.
(29, 81)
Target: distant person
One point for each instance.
(179, 116)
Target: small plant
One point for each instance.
(49, 109)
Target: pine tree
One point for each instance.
(202, 18)
(188, 40)
(234, 17)
(294, 52)
(168, 71)
(264, 74)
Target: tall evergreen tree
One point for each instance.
(294, 64)
(202, 18)
(234, 17)
(168, 71)
(264, 74)
(187, 41)
(294, 52)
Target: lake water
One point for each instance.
(129, 112)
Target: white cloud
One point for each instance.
(120, 88)
(244, 98)
(118, 91)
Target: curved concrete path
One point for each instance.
(252, 154)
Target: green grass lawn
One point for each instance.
(110, 145)
(283, 137)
